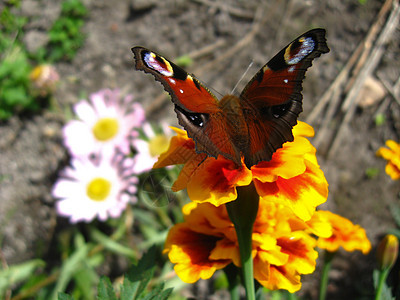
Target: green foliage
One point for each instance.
(18, 273)
(386, 291)
(10, 23)
(15, 93)
(83, 250)
(65, 36)
(134, 285)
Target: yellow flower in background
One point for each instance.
(282, 249)
(392, 155)
(292, 177)
(345, 234)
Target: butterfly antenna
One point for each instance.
(241, 78)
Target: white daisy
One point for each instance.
(89, 190)
(148, 150)
(104, 124)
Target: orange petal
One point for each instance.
(317, 225)
(286, 162)
(395, 147)
(181, 150)
(302, 193)
(226, 249)
(303, 129)
(392, 170)
(300, 248)
(187, 171)
(345, 234)
(211, 220)
(215, 181)
(190, 252)
(281, 278)
(301, 260)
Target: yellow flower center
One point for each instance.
(159, 144)
(98, 189)
(35, 74)
(105, 129)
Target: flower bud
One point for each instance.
(44, 79)
(388, 250)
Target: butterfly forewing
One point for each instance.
(272, 100)
(196, 107)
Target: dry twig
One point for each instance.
(367, 69)
(343, 76)
(234, 11)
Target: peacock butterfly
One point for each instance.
(252, 125)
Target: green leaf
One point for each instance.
(158, 293)
(112, 245)
(165, 294)
(139, 276)
(371, 172)
(17, 273)
(184, 61)
(70, 266)
(63, 296)
(105, 290)
(85, 279)
(380, 119)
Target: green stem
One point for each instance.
(383, 274)
(243, 212)
(231, 272)
(292, 296)
(328, 257)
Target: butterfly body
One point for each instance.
(253, 125)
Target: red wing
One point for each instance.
(185, 90)
(196, 107)
(272, 100)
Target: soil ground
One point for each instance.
(31, 149)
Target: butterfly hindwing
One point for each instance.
(196, 107)
(272, 100)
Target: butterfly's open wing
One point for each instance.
(197, 109)
(272, 100)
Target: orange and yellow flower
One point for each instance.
(292, 177)
(345, 234)
(281, 248)
(392, 155)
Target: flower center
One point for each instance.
(159, 144)
(105, 129)
(98, 189)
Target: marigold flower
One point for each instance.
(392, 155)
(87, 190)
(106, 123)
(345, 234)
(206, 242)
(291, 177)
